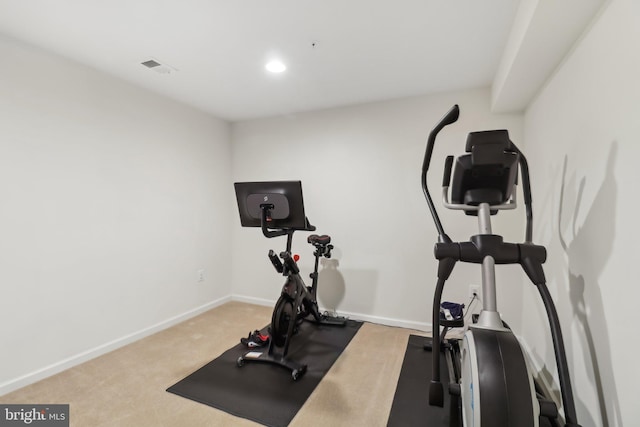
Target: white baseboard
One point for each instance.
(387, 321)
(32, 377)
(538, 366)
(253, 300)
(77, 359)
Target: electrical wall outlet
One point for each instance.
(474, 289)
(201, 275)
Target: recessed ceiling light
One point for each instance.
(275, 66)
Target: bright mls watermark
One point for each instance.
(34, 415)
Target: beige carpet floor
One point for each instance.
(127, 387)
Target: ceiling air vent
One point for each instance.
(159, 68)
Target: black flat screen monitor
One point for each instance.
(285, 196)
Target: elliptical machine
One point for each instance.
(494, 383)
(281, 211)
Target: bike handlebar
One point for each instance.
(275, 261)
(289, 262)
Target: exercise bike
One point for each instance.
(492, 384)
(297, 301)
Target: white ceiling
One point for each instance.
(365, 50)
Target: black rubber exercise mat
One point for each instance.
(266, 393)
(411, 401)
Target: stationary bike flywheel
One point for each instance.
(283, 315)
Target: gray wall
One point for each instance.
(110, 206)
(582, 138)
(360, 168)
(112, 202)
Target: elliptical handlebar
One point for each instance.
(526, 190)
(446, 176)
(451, 117)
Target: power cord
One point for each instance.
(474, 298)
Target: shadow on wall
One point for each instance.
(332, 288)
(331, 292)
(588, 247)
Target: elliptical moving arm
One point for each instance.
(451, 117)
(526, 190)
(528, 255)
(436, 391)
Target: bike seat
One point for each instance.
(323, 240)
